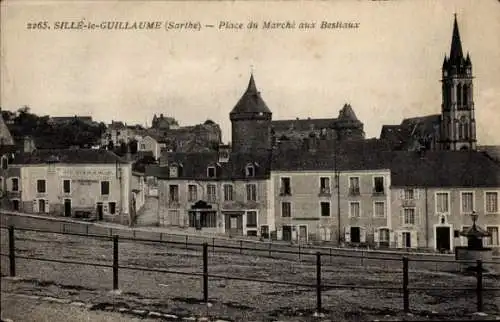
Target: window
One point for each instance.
(493, 239)
(324, 185)
(104, 188)
(173, 171)
(409, 194)
(15, 204)
(354, 209)
(15, 184)
(491, 202)
(211, 193)
(192, 192)
(112, 208)
(467, 202)
(384, 235)
(379, 209)
(286, 209)
(325, 209)
(442, 202)
(409, 216)
(173, 193)
(250, 171)
(143, 146)
(228, 192)
(251, 219)
(354, 186)
(251, 192)
(67, 186)
(378, 185)
(286, 188)
(207, 220)
(211, 172)
(355, 235)
(41, 186)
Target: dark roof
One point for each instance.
(347, 114)
(195, 165)
(72, 156)
(302, 125)
(443, 169)
(426, 169)
(403, 136)
(492, 151)
(251, 101)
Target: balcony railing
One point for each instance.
(409, 203)
(324, 191)
(378, 192)
(285, 191)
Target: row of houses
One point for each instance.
(356, 195)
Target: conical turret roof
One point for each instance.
(5, 136)
(251, 101)
(347, 113)
(456, 53)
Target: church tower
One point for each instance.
(458, 124)
(251, 122)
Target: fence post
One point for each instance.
(87, 229)
(479, 288)
(300, 259)
(186, 242)
(161, 236)
(241, 247)
(362, 258)
(406, 300)
(213, 245)
(330, 254)
(318, 283)
(205, 272)
(12, 252)
(115, 262)
(270, 245)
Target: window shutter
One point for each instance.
(402, 217)
(399, 239)
(414, 239)
(417, 194)
(376, 235)
(9, 184)
(35, 206)
(362, 234)
(418, 216)
(402, 194)
(46, 205)
(279, 234)
(347, 234)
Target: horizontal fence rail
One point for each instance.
(405, 288)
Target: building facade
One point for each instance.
(93, 184)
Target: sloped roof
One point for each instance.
(5, 136)
(347, 114)
(251, 101)
(194, 165)
(404, 135)
(456, 53)
(302, 125)
(71, 156)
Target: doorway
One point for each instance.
(100, 211)
(355, 235)
(287, 232)
(234, 224)
(443, 238)
(303, 233)
(67, 207)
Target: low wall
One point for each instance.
(470, 256)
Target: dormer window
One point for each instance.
(211, 172)
(173, 171)
(250, 170)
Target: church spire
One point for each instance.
(456, 53)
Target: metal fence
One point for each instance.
(405, 288)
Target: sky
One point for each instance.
(387, 69)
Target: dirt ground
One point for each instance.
(233, 300)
